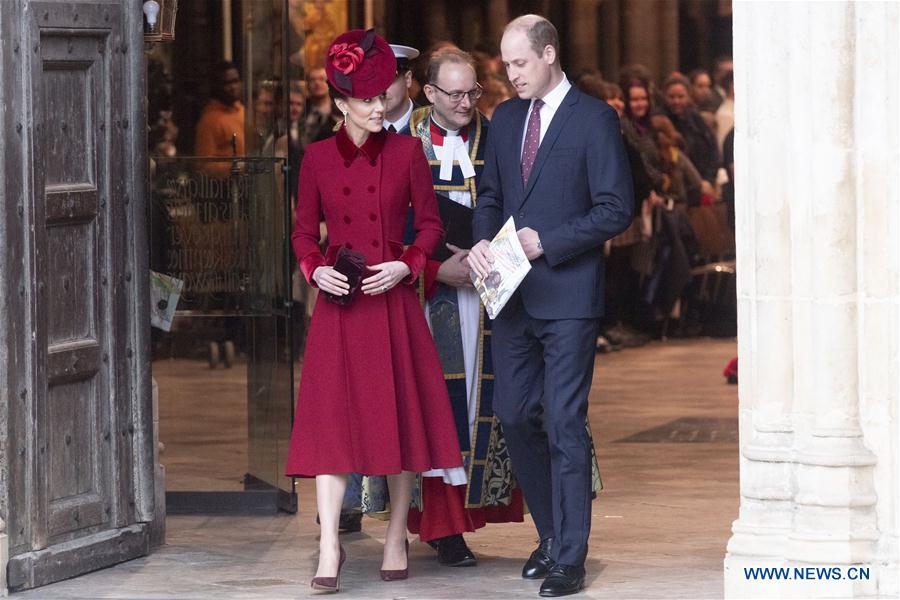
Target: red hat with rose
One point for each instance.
(360, 64)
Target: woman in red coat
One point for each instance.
(372, 394)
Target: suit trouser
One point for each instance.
(543, 371)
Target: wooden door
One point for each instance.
(80, 487)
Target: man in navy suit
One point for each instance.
(556, 163)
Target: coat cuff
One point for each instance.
(309, 264)
(415, 259)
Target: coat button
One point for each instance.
(346, 219)
(347, 163)
(346, 191)
(375, 243)
(372, 163)
(371, 189)
(521, 214)
(373, 217)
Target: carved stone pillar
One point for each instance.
(497, 18)
(667, 35)
(610, 35)
(583, 37)
(651, 36)
(436, 21)
(764, 316)
(818, 291)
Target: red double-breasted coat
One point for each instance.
(372, 395)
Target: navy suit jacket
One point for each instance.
(578, 196)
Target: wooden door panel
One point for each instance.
(73, 86)
(70, 280)
(81, 481)
(69, 106)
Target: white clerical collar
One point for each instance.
(444, 131)
(453, 149)
(402, 121)
(554, 97)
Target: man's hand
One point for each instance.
(455, 270)
(531, 242)
(480, 258)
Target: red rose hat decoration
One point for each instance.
(346, 57)
(360, 64)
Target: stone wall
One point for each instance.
(818, 236)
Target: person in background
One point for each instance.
(725, 114)
(682, 183)
(495, 86)
(399, 105)
(701, 91)
(638, 73)
(266, 96)
(495, 93)
(622, 282)
(722, 65)
(699, 141)
(320, 120)
(220, 131)
(290, 145)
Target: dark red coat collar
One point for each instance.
(371, 148)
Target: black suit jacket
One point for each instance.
(578, 196)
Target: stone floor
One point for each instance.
(663, 420)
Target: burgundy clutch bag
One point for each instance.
(352, 265)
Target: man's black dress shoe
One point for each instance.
(350, 522)
(453, 552)
(562, 581)
(539, 563)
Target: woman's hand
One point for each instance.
(388, 274)
(331, 281)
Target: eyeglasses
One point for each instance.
(456, 97)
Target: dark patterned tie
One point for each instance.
(392, 129)
(532, 139)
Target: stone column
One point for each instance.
(651, 35)
(765, 353)
(610, 32)
(583, 43)
(641, 35)
(876, 172)
(818, 289)
(436, 22)
(667, 35)
(497, 18)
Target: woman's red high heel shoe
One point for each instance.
(396, 574)
(330, 585)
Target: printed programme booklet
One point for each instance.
(507, 271)
(164, 294)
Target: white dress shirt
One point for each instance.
(551, 103)
(404, 120)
